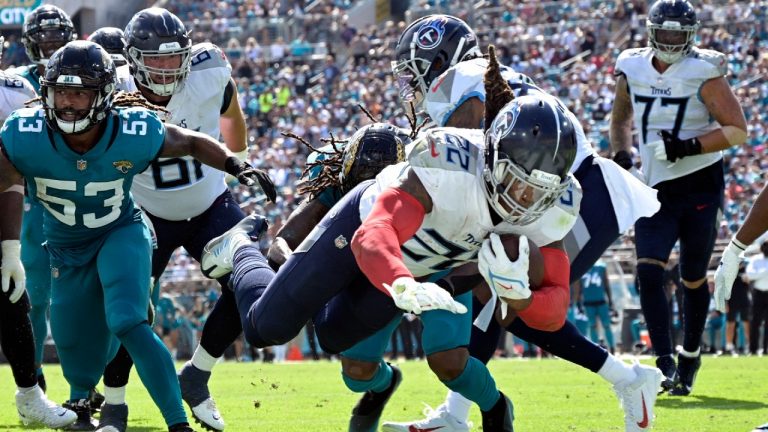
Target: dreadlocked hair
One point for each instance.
(415, 129)
(329, 167)
(497, 90)
(121, 99)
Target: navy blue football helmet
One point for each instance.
(46, 29)
(671, 26)
(530, 147)
(427, 48)
(112, 40)
(78, 65)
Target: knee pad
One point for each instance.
(444, 330)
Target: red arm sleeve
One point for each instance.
(548, 310)
(395, 218)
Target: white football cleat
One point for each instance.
(637, 397)
(219, 253)
(208, 415)
(439, 420)
(35, 408)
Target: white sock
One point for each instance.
(690, 354)
(28, 390)
(615, 371)
(114, 395)
(202, 360)
(458, 406)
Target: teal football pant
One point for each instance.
(37, 265)
(103, 303)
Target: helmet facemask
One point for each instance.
(84, 119)
(161, 81)
(670, 40)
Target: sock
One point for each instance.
(482, 344)
(202, 360)
(690, 354)
(26, 390)
(156, 370)
(380, 381)
(16, 341)
(119, 369)
(476, 384)
(114, 395)
(250, 277)
(655, 307)
(38, 318)
(695, 310)
(222, 327)
(615, 371)
(458, 406)
(39, 371)
(567, 343)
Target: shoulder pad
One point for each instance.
(17, 84)
(625, 56)
(444, 148)
(716, 61)
(206, 56)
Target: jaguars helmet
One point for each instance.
(671, 27)
(427, 48)
(78, 65)
(46, 29)
(372, 148)
(530, 147)
(155, 32)
(112, 39)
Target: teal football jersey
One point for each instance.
(592, 284)
(85, 195)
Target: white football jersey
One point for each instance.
(182, 188)
(671, 102)
(15, 91)
(465, 80)
(449, 163)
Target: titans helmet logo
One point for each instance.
(430, 34)
(505, 121)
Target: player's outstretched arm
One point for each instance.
(232, 124)
(184, 142)
(621, 119)
(9, 175)
(11, 209)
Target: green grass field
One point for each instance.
(549, 395)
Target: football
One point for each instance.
(535, 259)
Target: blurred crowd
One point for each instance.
(302, 67)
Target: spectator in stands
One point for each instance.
(757, 273)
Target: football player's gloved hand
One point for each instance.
(12, 269)
(674, 148)
(508, 278)
(623, 159)
(248, 176)
(416, 297)
(726, 272)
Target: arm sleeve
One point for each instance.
(395, 218)
(547, 311)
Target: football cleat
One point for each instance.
(436, 420)
(501, 417)
(761, 428)
(194, 391)
(35, 408)
(180, 427)
(666, 365)
(96, 400)
(114, 418)
(219, 253)
(81, 407)
(638, 397)
(366, 414)
(687, 368)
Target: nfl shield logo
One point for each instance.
(340, 242)
(82, 165)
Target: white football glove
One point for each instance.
(508, 278)
(726, 272)
(12, 268)
(416, 297)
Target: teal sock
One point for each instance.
(476, 384)
(76, 393)
(156, 370)
(380, 381)
(39, 371)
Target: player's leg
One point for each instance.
(654, 238)
(604, 315)
(18, 346)
(364, 371)
(591, 312)
(698, 232)
(37, 265)
(597, 228)
(222, 326)
(79, 326)
(126, 300)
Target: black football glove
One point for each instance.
(248, 176)
(623, 159)
(677, 148)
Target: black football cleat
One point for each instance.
(180, 427)
(666, 365)
(501, 417)
(366, 414)
(96, 400)
(761, 428)
(81, 407)
(687, 368)
(114, 418)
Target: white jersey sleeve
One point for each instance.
(671, 102)
(15, 92)
(182, 188)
